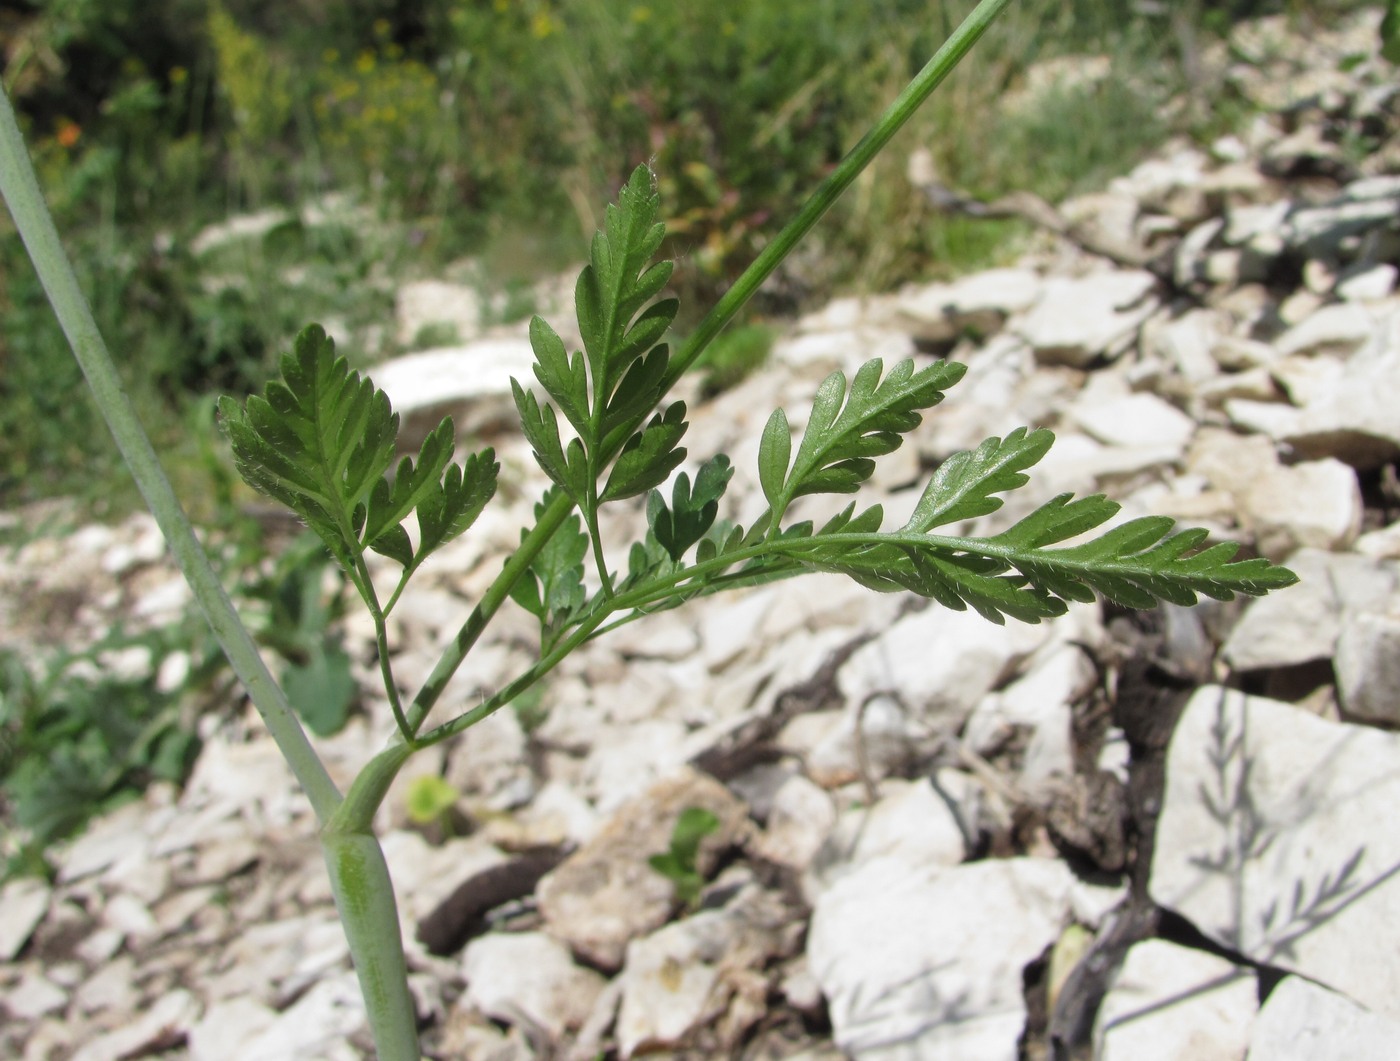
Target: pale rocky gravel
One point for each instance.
(1105, 836)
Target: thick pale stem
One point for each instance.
(36, 228)
(364, 897)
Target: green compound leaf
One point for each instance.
(617, 283)
(639, 390)
(454, 504)
(961, 487)
(618, 376)
(847, 522)
(562, 377)
(649, 456)
(389, 505)
(552, 589)
(318, 441)
(774, 454)
(1018, 573)
(321, 441)
(568, 468)
(692, 512)
(847, 431)
(1136, 563)
(955, 581)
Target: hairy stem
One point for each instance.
(21, 192)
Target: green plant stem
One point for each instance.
(20, 190)
(365, 584)
(714, 322)
(496, 595)
(364, 898)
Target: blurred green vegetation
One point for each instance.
(84, 729)
(452, 128)
(78, 736)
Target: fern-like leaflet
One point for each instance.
(321, 440)
(617, 377)
(847, 431)
(1014, 573)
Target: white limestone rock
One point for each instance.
(1259, 846)
(1367, 283)
(162, 1025)
(1231, 462)
(1302, 1021)
(800, 817)
(1301, 623)
(1236, 353)
(1042, 701)
(1188, 342)
(633, 759)
(700, 971)
(471, 382)
(1079, 320)
(557, 816)
(1141, 420)
(140, 544)
(929, 961)
(319, 1024)
(1079, 464)
(938, 662)
(1314, 504)
(850, 311)
(882, 736)
(844, 350)
(913, 822)
(1363, 205)
(1265, 414)
(606, 894)
(237, 1020)
(1367, 665)
(1383, 544)
(1336, 329)
(1255, 385)
(33, 997)
(1167, 1003)
(1357, 418)
(422, 304)
(979, 304)
(23, 903)
(1190, 262)
(529, 977)
(236, 779)
(492, 762)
